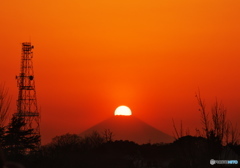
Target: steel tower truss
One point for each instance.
(27, 102)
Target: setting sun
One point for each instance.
(123, 110)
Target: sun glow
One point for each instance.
(123, 110)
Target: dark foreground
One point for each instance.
(71, 151)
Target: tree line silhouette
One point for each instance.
(93, 151)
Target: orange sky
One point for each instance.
(151, 55)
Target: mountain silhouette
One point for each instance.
(130, 128)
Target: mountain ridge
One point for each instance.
(130, 128)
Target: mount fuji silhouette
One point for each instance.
(130, 128)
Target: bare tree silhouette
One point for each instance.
(217, 127)
(108, 134)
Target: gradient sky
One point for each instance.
(91, 56)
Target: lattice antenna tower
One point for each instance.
(27, 101)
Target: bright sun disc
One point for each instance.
(123, 110)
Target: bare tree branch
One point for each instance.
(108, 135)
(4, 104)
(204, 114)
(234, 134)
(219, 120)
(175, 129)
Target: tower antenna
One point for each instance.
(27, 101)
